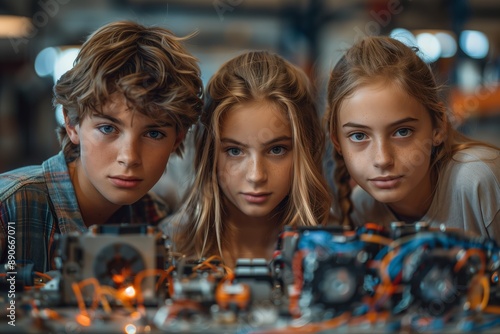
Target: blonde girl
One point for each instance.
(259, 147)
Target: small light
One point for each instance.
(130, 292)
(83, 320)
(474, 43)
(404, 36)
(448, 44)
(429, 47)
(12, 26)
(45, 61)
(64, 62)
(59, 114)
(130, 329)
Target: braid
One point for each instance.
(341, 177)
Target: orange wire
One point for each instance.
(378, 239)
(468, 253)
(293, 305)
(492, 309)
(485, 285)
(79, 299)
(289, 234)
(97, 290)
(138, 280)
(164, 276)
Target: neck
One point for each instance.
(249, 237)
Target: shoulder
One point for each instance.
(25, 199)
(23, 180)
(470, 184)
(478, 153)
(472, 167)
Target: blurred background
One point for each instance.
(39, 40)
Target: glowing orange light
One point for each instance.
(83, 320)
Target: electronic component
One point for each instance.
(114, 255)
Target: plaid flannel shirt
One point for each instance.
(38, 202)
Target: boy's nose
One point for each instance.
(128, 154)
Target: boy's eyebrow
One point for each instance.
(272, 141)
(401, 121)
(149, 126)
(110, 118)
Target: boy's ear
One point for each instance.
(71, 130)
(336, 144)
(178, 140)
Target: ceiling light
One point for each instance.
(12, 26)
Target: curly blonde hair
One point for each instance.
(148, 65)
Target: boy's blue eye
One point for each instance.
(156, 134)
(106, 129)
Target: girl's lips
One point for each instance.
(386, 183)
(256, 198)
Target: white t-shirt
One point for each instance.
(467, 196)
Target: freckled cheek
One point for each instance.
(414, 159)
(226, 172)
(160, 154)
(282, 172)
(353, 161)
(287, 170)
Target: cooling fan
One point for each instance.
(114, 255)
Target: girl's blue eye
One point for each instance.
(404, 132)
(156, 134)
(357, 137)
(278, 150)
(233, 151)
(106, 129)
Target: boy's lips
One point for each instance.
(123, 181)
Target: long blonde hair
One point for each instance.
(381, 57)
(255, 76)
